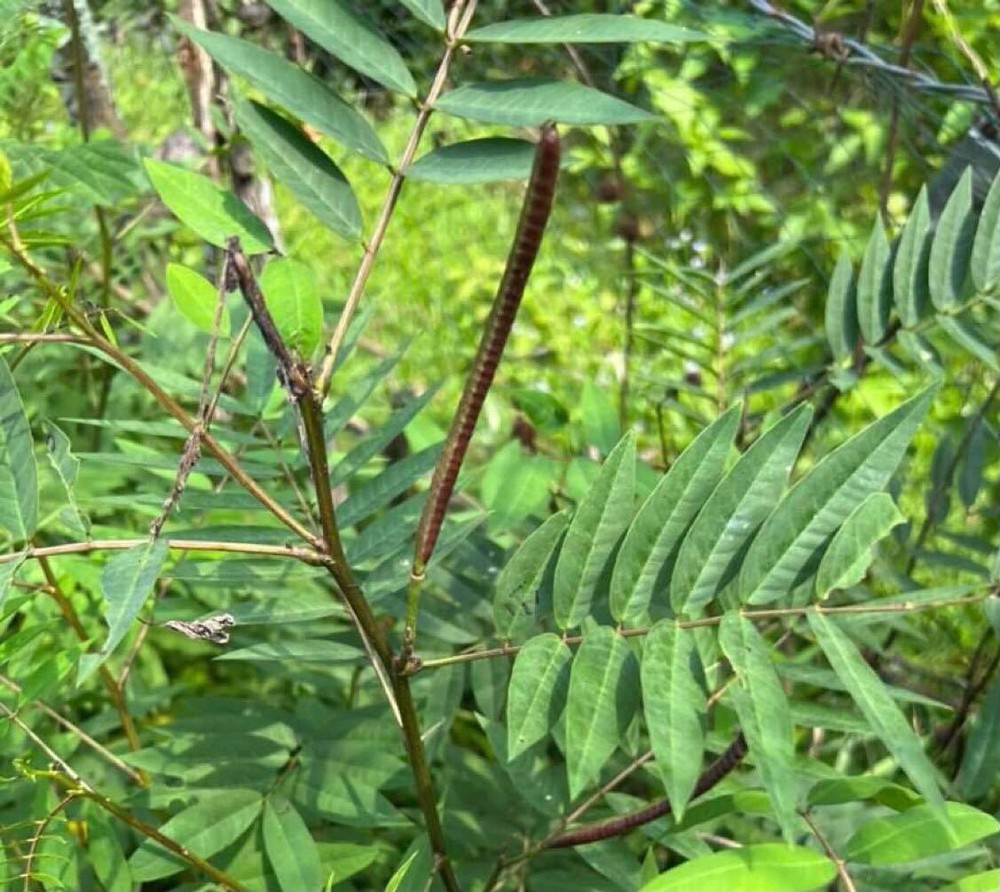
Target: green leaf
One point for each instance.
(18, 470)
(599, 417)
(518, 582)
(126, 582)
(211, 212)
(293, 89)
(874, 286)
(981, 759)
(882, 713)
(205, 828)
(291, 296)
(537, 691)
(290, 847)
(602, 700)
(952, 245)
(488, 160)
(584, 28)
(298, 163)
(530, 102)
(765, 867)
(67, 466)
(650, 547)
(341, 33)
(836, 791)
(675, 704)
(985, 262)
(592, 535)
(708, 557)
(909, 274)
(918, 833)
(842, 309)
(317, 650)
(515, 485)
(105, 853)
(8, 570)
(196, 298)
(989, 881)
(821, 501)
(847, 558)
(104, 171)
(971, 337)
(764, 715)
(430, 12)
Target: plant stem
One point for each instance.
(845, 877)
(458, 23)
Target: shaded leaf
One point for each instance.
(290, 847)
(298, 163)
(733, 512)
(842, 310)
(909, 274)
(294, 302)
(430, 12)
(850, 552)
(821, 501)
(291, 87)
(874, 286)
(583, 28)
(765, 867)
(882, 713)
(537, 691)
(675, 704)
(603, 696)
(18, 470)
(195, 298)
(205, 828)
(310, 650)
(919, 833)
(981, 759)
(650, 546)
(126, 582)
(332, 25)
(972, 338)
(518, 582)
(836, 791)
(67, 466)
(952, 245)
(103, 170)
(764, 713)
(213, 213)
(988, 881)
(592, 535)
(488, 160)
(985, 261)
(530, 102)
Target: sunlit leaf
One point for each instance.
(583, 28)
(293, 299)
(196, 298)
(290, 847)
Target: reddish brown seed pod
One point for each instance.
(531, 225)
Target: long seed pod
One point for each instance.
(527, 239)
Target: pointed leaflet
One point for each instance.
(765, 867)
(301, 165)
(874, 286)
(196, 298)
(952, 245)
(126, 582)
(584, 28)
(291, 296)
(341, 33)
(842, 309)
(488, 160)
(530, 102)
(650, 546)
(514, 601)
(918, 833)
(18, 471)
(205, 828)
(67, 466)
(213, 213)
(599, 520)
(985, 263)
(881, 711)
(537, 691)
(765, 715)
(291, 87)
(971, 337)
(733, 512)
(823, 499)
(909, 273)
(674, 704)
(981, 759)
(850, 552)
(602, 700)
(430, 12)
(290, 847)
